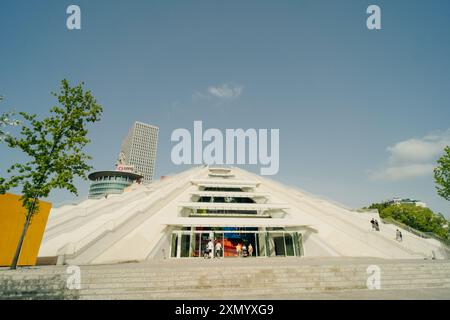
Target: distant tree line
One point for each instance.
(419, 218)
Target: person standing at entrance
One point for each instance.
(218, 249)
(210, 249)
(238, 249)
(250, 250)
(244, 250)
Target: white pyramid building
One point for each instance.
(177, 217)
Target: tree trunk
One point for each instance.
(22, 236)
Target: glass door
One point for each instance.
(185, 246)
(174, 245)
(280, 246)
(289, 242)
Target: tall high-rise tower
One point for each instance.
(139, 149)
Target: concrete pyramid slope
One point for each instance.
(176, 217)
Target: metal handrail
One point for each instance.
(422, 234)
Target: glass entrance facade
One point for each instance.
(235, 242)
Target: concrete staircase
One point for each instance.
(256, 278)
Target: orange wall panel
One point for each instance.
(12, 220)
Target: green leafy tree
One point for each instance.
(6, 120)
(379, 206)
(54, 146)
(419, 218)
(442, 174)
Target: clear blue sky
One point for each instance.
(362, 114)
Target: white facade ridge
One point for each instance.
(231, 194)
(245, 222)
(241, 206)
(236, 182)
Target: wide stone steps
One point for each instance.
(212, 281)
(218, 273)
(314, 278)
(224, 279)
(251, 286)
(238, 293)
(223, 270)
(299, 270)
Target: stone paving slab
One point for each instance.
(397, 294)
(234, 261)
